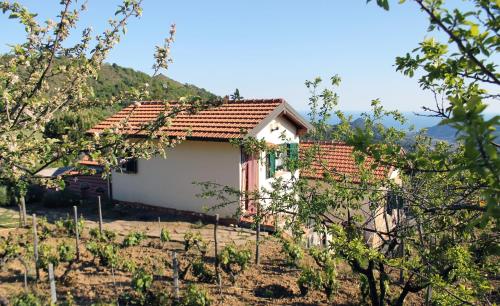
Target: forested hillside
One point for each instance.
(113, 80)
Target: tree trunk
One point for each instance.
(372, 283)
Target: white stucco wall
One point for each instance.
(273, 133)
(168, 182)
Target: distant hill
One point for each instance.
(114, 79)
(448, 133)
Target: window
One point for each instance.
(130, 166)
(394, 201)
(293, 155)
(270, 164)
(285, 160)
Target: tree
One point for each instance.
(447, 242)
(30, 100)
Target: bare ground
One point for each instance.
(272, 282)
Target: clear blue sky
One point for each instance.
(268, 48)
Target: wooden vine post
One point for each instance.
(35, 246)
(77, 235)
(217, 273)
(53, 294)
(257, 236)
(100, 214)
(23, 211)
(176, 277)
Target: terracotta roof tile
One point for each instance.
(337, 159)
(229, 120)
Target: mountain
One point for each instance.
(114, 79)
(449, 134)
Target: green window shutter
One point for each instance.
(293, 156)
(272, 164)
(293, 151)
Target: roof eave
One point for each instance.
(285, 108)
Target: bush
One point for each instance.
(309, 280)
(234, 261)
(294, 253)
(106, 236)
(47, 254)
(7, 197)
(195, 296)
(133, 239)
(63, 198)
(164, 235)
(107, 253)
(201, 272)
(194, 239)
(26, 299)
(68, 225)
(67, 252)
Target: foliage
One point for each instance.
(194, 296)
(107, 253)
(10, 248)
(194, 239)
(106, 236)
(164, 235)
(47, 254)
(309, 280)
(54, 87)
(201, 273)
(68, 225)
(234, 261)
(27, 299)
(67, 252)
(7, 196)
(133, 239)
(293, 251)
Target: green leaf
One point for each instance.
(474, 30)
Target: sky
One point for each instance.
(268, 48)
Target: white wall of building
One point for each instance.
(273, 133)
(168, 182)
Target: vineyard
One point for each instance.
(131, 261)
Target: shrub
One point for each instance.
(234, 261)
(106, 236)
(47, 254)
(67, 252)
(327, 272)
(141, 281)
(7, 197)
(107, 253)
(68, 225)
(141, 293)
(164, 235)
(133, 239)
(309, 280)
(26, 299)
(195, 296)
(64, 198)
(294, 253)
(9, 248)
(194, 239)
(201, 272)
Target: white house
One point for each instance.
(206, 154)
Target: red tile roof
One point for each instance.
(337, 159)
(229, 120)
